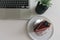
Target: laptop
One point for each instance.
(17, 9)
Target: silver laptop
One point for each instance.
(17, 9)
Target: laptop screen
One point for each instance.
(14, 4)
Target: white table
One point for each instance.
(16, 29)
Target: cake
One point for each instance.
(41, 27)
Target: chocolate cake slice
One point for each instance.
(41, 26)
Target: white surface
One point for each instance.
(15, 29)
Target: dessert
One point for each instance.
(42, 26)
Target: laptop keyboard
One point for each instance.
(14, 4)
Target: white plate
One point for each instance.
(45, 36)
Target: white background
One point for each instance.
(16, 29)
